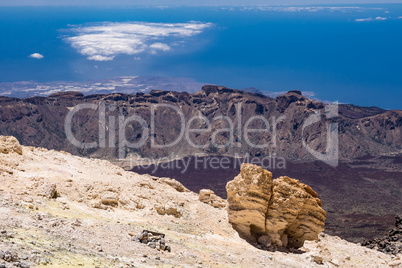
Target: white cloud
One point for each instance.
(371, 19)
(100, 58)
(309, 9)
(36, 56)
(360, 20)
(400, 17)
(106, 41)
(159, 46)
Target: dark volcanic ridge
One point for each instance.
(39, 121)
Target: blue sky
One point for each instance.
(349, 53)
(192, 2)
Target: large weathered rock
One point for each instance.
(10, 144)
(8, 163)
(279, 213)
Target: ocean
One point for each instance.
(350, 54)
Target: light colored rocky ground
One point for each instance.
(100, 206)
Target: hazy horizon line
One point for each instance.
(195, 3)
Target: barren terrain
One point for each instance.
(63, 210)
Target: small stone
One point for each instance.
(28, 199)
(152, 244)
(109, 202)
(318, 259)
(10, 257)
(45, 262)
(264, 240)
(395, 264)
(168, 248)
(10, 236)
(50, 191)
(158, 258)
(169, 209)
(268, 256)
(24, 264)
(335, 262)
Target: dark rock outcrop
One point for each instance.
(390, 244)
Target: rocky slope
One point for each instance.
(62, 210)
(39, 121)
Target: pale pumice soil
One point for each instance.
(100, 206)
